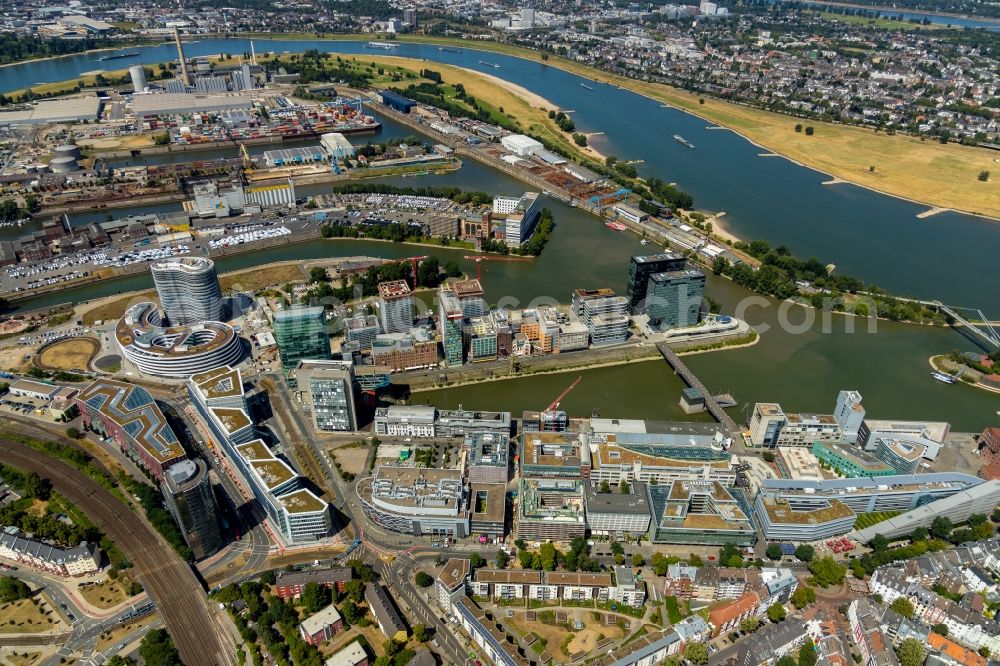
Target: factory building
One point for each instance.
(521, 145)
(395, 101)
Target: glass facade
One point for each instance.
(301, 334)
(673, 299)
(333, 403)
(639, 271)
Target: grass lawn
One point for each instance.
(881, 22)
(108, 593)
(27, 616)
(868, 519)
(115, 308)
(255, 279)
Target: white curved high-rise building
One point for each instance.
(188, 288)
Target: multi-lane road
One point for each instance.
(170, 582)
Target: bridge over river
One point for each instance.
(711, 403)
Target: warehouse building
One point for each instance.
(173, 103)
(521, 145)
(68, 110)
(395, 101)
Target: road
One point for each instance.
(170, 582)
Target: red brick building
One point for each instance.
(322, 626)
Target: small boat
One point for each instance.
(944, 377)
(617, 226)
(645, 241)
(586, 86)
(447, 50)
(120, 55)
(489, 64)
(679, 139)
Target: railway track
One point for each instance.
(170, 582)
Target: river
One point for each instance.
(935, 19)
(863, 232)
(873, 236)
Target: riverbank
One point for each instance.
(923, 172)
(942, 363)
(529, 110)
(552, 364)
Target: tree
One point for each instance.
(317, 274)
(776, 613)
(941, 528)
(941, 629)
(428, 272)
(807, 654)
(605, 487)
(476, 560)
(919, 534)
(984, 176)
(798, 127)
(72, 433)
(423, 579)
(904, 607)
(696, 653)
(810, 131)
(773, 551)
(805, 553)
(910, 652)
(12, 589)
(786, 660)
(827, 572)
(315, 597)
(879, 543)
(421, 633)
(750, 624)
(766, 455)
(548, 556)
(157, 649)
(803, 596)
(501, 559)
(623, 487)
(119, 660)
(638, 560)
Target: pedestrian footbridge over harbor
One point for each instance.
(711, 403)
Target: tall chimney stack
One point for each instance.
(185, 75)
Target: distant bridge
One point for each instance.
(711, 405)
(984, 330)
